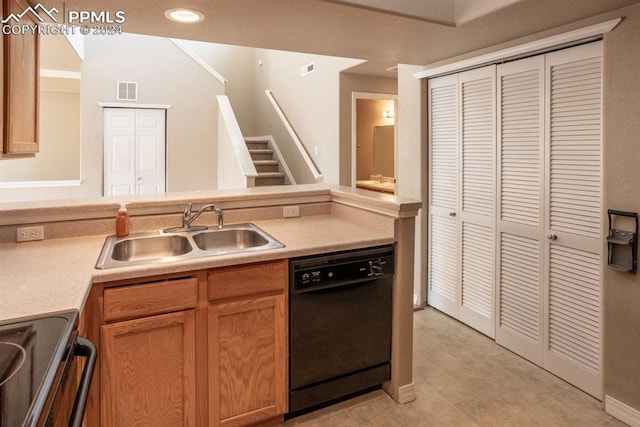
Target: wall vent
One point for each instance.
(307, 69)
(127, 91)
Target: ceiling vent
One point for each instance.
(127, 91)
(307, 69)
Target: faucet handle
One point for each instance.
(220, 214)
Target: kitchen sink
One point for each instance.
(145, 248)
(160, 247)
(229, 239)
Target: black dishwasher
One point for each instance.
(340, 308)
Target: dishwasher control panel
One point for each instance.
(343, 267)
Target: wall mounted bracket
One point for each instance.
(622, 244)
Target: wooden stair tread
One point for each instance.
(266, 162)
(260, 150)
(270, 174)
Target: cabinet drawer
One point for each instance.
(241, 281)
(148, 299)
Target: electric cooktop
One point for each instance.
(30, 352)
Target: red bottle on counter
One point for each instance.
(122, 221)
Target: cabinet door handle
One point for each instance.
(452, 213)
(552, 236)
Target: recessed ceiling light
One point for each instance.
(188, 16)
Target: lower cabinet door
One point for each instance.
(148, 371)
(248, 361)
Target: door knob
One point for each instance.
(452, 213)
(552, 236)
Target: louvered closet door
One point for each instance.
(573, 224)
(519, 302)
(443, 194)
(477, 189)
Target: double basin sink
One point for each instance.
(157, 247)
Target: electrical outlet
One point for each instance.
(26, 234)
(291, 211)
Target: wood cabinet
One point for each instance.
(198, 348)
(148, 366)
(21, 72)
(248, 344)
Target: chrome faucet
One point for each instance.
(380, 178)
(220, 214)
(188, 218)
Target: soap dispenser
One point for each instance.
(122, 221)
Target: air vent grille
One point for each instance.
(127, 91)
(307, 69)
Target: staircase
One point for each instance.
(267, 163)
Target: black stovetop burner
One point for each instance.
(31, 350)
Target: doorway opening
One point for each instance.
(373, 136)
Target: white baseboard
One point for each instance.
(406, 393)
(619, 410)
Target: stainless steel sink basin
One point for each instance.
(146, 248)
(157, 247)
(227, 239)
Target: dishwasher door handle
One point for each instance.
(83, 348)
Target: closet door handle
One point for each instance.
(452, 214)
(552, 236)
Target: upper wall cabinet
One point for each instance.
(20, 84)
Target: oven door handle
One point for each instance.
(83, 348)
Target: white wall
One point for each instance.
(236, 65)
(165, 75)
(311, 103)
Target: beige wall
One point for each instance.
(411, 158)
(165, 76)
(622, 192)
(59, 156)
(312, 102)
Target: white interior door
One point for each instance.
(520, 212)
(119, 152)
(477, 189)
(134, 151)
(150, 151)
(443, 292)
(574, 221)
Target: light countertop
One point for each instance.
(56, 275)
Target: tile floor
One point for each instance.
(463, 378)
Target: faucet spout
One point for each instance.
(187, 218)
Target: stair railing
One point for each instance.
(235, 165)
(317, 175)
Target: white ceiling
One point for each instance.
(446, 12)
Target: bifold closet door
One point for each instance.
(549, 212)
(573, 224)
(462, 196)
(443, 289)
(520, 262)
